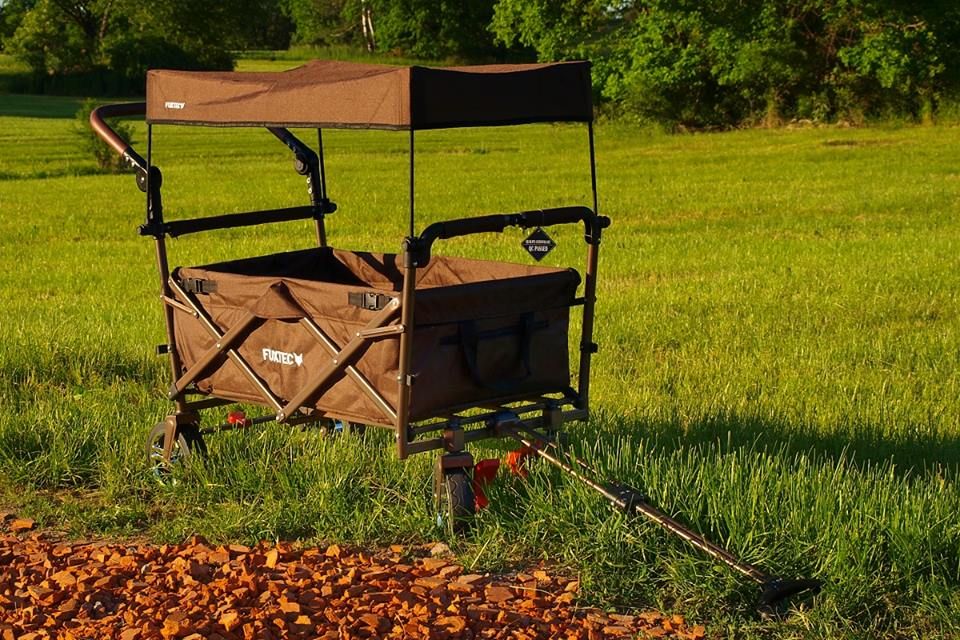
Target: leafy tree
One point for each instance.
(434, 28)
(11, 14)
(559, 29)
(892, 56)
(724, 61)
(48, 44)
(429, 29)
(263, 25)
(57, 37)
(323, 22)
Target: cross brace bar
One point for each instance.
(338, 362)
(231, 353)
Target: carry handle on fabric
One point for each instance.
(470, 339)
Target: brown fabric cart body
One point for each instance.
(483, 331)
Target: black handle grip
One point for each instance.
(496, 223)
(777, 590)
(417, 249)
(467, 226)
(559, 215)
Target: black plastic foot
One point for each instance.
(777, 590)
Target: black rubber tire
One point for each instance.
(455, 502)
(189, 442)
(332, 427)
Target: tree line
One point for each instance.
(694, 62)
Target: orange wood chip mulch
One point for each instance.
(79, 590)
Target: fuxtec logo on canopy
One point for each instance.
(282, 357)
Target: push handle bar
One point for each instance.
(101, 128)
(496, 223)
(417, 249)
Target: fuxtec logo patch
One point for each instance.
(174, 105)
(282, 357)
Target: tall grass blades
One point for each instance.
(779, 363)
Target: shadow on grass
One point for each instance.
(38, 106)
(29, 370)
(63, 172)
(867, 444)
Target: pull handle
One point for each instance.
(107, 134)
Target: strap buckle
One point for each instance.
(198, 285)
(369, 301)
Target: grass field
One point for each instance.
(779, 322)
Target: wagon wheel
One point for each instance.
(189, 441)
(454, 501)
(335, 427)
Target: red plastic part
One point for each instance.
(517, 461)
(238, 418)
(483, 474)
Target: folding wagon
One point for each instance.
(443, 351)
(413, 342)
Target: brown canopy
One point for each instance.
(325, 93)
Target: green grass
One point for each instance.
(779, 333)
(279, 60)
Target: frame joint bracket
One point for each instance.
(594, 229)
(416, 252)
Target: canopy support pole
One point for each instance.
(593, 167)
(412, 233)
(307, 163)
(155, 217)
(411, 253)
(587, 346)
(321, 228)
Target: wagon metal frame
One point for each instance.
(323, 95)
(566, 85)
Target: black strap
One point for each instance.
(470, 340)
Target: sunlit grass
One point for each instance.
(778, 323)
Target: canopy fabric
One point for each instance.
(335, 94)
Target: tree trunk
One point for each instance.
(366, 23)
